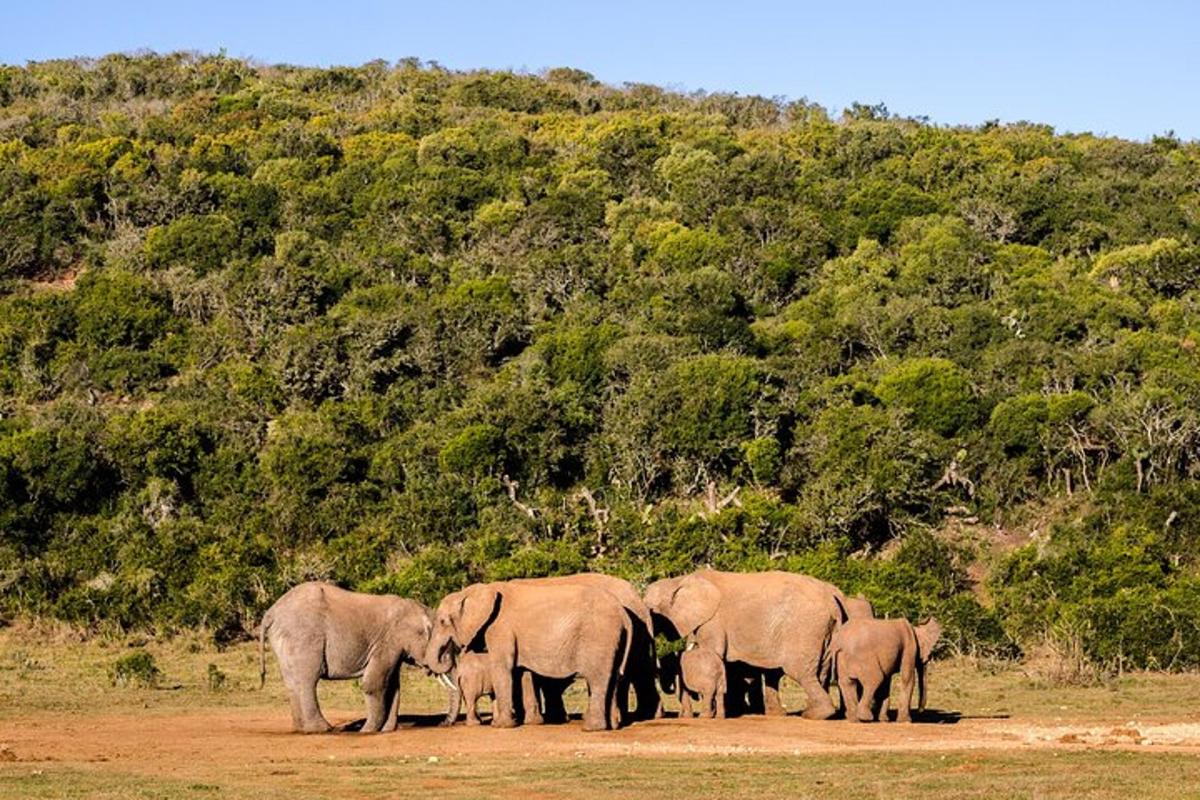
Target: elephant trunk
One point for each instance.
(438, 658)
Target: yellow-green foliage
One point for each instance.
(403, 328)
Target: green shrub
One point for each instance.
(135, 669)
(936, 391)
(216, 678)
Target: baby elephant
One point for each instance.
(702, 673)
(473, 680)
(866, 653)
(320, 631)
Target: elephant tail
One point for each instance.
(828, 668)
(628, 632)
(262, 648)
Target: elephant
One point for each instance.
(640, 671)
(858, 607)
(472, 680)
(556, 630)
(779, 622)
(867, 653)
(744, 692)
(318, 630)
(701, 672)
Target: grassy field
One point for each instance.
(66, 731)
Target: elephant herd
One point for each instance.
(523, 642)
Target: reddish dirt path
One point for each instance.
(193, 743)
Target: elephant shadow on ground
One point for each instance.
(940, 716)
(403, 721)
(931, 716)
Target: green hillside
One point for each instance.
(402, 328)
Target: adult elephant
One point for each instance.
(554, 630)
(778, 622)
(318, 630)
(640, 672)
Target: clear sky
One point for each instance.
(1124, 68)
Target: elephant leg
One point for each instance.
(620, 710)
(848, 696)
(817, 705)
(392, 702)
(501, 665)
(772, 705)
(904, 709)
(297, 712)
(719, 700)
(311, 718)
(453, 702)
(883, 701)
(530, 713)
(755, 697)
(870, 692)
(685, 703)
(600, 686)
(301, 668)
(649, 702)
(375, 681)
(471, 696)
(554, 707)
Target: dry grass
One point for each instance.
(1019, 736)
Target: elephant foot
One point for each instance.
(864, 717)
(503, 722)
(904, 718)
(472, 722)
(819, 712)
(535, 719)
(447, 723)
(315, 727)
(590, 725)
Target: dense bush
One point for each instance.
(401, 327)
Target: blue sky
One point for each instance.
(1129, 69)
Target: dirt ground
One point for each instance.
(66, 732)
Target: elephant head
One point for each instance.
(687, 602)
(458, 620)
(927, 634)
(857, 607)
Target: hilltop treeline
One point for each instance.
(402, 327)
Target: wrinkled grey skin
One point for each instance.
(867, 653)
(318, 630)
(702, 673)
(639, 673)
(473, 680)
(779, 622)
(553, 630)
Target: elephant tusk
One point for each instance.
(444, 679)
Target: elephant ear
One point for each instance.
(927, 634)
(658, 594)
(475, 607)
(693, 603)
